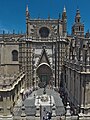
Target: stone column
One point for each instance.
(15, 95)
(82, 101)
(86, 95)
(8, 106)
(4, 106)
(19, 89)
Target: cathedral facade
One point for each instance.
(47, 39)
(45, 56)
(33, 60)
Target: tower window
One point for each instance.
(83, 46)
(1, 98)
(82, 29)
(14, 55)
(78, 20)
(79, 28)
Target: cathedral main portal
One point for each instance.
(44, 73)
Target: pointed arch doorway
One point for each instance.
(44, 72)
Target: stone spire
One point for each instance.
(27, 20)
(77, 17)
(64, 16)
(49, 16)
(64, 19)
(27, 9)
(64, 10)
(27, 12)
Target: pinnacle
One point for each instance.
(27, 8)
(64, 10)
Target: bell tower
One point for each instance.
(78, 27)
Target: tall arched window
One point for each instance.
(14, 55)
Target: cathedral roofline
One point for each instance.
(42, 19)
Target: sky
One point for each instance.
(12, 12)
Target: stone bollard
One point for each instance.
(37, 111)
(81, 115)
(68, 114)
(53, 111)
(23, 115)
(62, 118)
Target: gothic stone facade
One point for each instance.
(31, 60)
(76, 70)
(46, 40)
(35, 60)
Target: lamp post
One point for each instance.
(37, 82)
(53, 84)
(50, 103)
